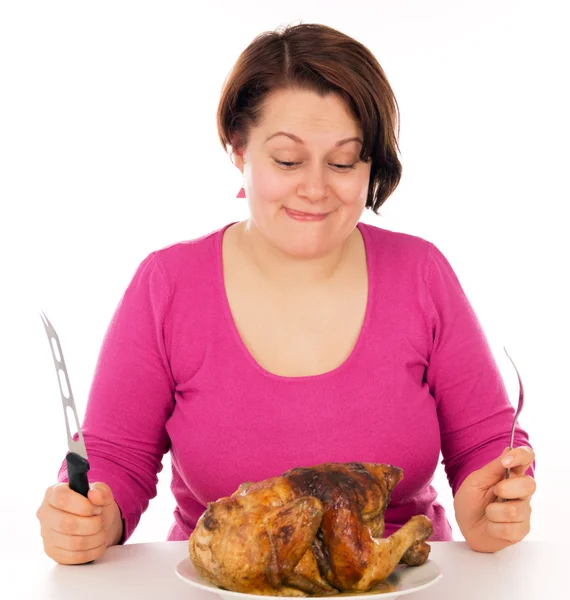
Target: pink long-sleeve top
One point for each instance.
(174, 375)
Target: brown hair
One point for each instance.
(321, 59)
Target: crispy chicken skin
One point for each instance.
(312, 531)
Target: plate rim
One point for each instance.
(210, 587)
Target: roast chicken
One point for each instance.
(312, 531)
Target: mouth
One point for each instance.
(305, 216)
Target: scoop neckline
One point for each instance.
(244, 350)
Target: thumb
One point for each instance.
(100, 494)
(489, 475)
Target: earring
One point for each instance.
(241, 193)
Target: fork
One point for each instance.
(518, 412)
(519, 408)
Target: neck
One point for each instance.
(277, 266)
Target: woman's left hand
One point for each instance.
(489, 525)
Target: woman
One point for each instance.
(301, 335)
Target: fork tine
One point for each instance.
(47, 324)
(44, 320)
(52, 335)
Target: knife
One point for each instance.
(76, 458)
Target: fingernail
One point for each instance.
(98, 510)
(508, 460)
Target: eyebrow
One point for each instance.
(300, 141)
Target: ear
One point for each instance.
(237, 159)
(237, 150)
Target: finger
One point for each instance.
(490, 474)
(511, 532)
(519, 471)
(68, 557)
(519, 459)
(515, 488)
(63, 498)
(100, 494)
(69, 524)
(74, 543)
(516, 511)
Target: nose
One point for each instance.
(314, 185)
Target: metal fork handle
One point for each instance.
(518, 411)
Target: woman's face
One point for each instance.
(304, 182)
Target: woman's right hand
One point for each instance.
(75, 529)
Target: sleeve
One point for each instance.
(474, 412)
(131, 397)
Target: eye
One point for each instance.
(286, 164)
(289, 165)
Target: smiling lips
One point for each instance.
(303, 216)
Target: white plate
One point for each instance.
(404, 580)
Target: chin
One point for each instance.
(302, 240)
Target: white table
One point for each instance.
(527, 571)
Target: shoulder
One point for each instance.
(192, 248)
(405, 257)
(189, 264)
(396, 244)
(192, 257)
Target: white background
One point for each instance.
(108, 151)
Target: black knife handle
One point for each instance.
(77, 468)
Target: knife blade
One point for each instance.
(76, 458)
